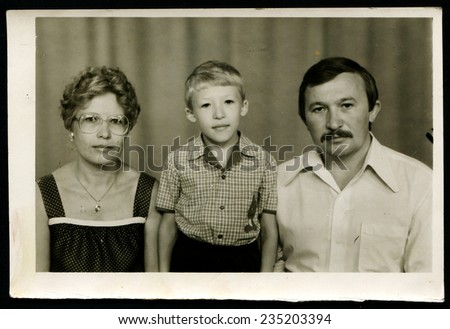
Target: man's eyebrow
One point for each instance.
(317, 103)
(349, 98)
(341, 100)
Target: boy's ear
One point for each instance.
(190, 115)
(244, 108)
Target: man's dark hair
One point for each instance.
(327, 69)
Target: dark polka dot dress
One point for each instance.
(96, 246)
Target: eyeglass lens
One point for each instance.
(91, 123)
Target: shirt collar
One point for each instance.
(308, 161)
(196, 147)
(376, 159)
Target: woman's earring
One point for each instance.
(71, 137)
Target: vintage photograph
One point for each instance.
(249, 154)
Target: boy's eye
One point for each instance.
(204, 106)
(229, 101)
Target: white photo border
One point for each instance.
(26, 283)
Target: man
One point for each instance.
(349, 204)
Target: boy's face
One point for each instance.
(217, 110)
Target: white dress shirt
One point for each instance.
(380, 222)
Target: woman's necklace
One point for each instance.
(97, 202)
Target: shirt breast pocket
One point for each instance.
(382, 247)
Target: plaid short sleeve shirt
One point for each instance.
(221, 206)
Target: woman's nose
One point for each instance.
(104, 131)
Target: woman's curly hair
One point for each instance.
(95, 81)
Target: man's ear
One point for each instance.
(374, 112)
(190, 115)
(244, 108)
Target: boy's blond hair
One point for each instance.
(212, 73)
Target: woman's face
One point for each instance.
(100, 147)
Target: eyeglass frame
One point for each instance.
(103, 120)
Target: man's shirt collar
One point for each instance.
(377, 160)
(311, 161)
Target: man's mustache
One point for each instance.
(335, 134)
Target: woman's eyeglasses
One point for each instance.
(90, 123)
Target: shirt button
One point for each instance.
(224, 176)
(220, 236)
(222, 207)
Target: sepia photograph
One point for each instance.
(246, 154)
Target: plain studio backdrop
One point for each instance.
(272, 54)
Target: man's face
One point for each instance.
(337, 115)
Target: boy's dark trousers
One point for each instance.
(190, 255)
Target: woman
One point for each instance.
(96, 214)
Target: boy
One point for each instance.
(218, 193)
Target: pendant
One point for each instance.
(97, 208)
